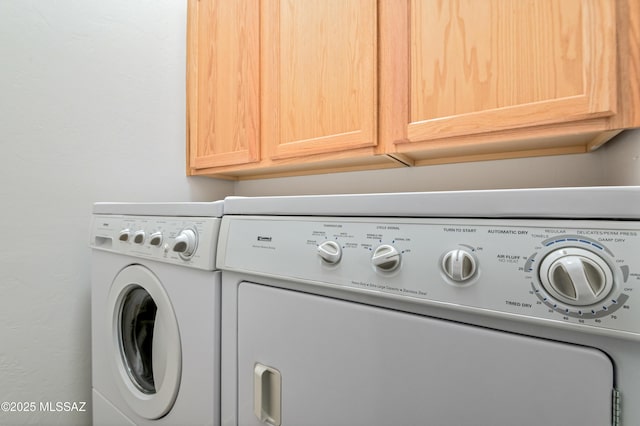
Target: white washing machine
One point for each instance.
(487, 308)
(155, 312)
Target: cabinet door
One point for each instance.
(223, 83)
(318, 76)
(476, 66)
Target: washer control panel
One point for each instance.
(188, 241)
(577, 272)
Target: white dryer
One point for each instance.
(155, 311)
(475, 308)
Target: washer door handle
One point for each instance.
(267, 384)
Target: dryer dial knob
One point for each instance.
(576, 276)
(186, 243)
(330, 252)
(386, 258)
(459, 265)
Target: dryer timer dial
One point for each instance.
(576, 276)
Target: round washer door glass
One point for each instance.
(137, 322)
(145, 342)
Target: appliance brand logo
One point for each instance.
(267, 239)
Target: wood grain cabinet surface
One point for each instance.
(280, 87)
(465, 80)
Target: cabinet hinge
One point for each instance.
(615, 414)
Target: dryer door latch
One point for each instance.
(267, 391)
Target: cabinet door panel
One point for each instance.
(485, 65)
(319, 76)
(224, 120)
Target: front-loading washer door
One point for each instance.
(309, 360)
(145, 342)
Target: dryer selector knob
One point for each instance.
(330, 252)
(186, 243)
(576, 276)
(386, 258)
(459, 265)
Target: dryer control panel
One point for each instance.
(580, 273)
(188, 241)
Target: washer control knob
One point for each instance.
(186, 243)
(576, 276)
(138, 237)
(330, 252)
(386, 258)
(124, 235)
(459, 265)
(156, 239)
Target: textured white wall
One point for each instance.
(622, 159)
(92, 108)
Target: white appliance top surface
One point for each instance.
(613, 202)
(193, 209)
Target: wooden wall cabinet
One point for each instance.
(282, 87)
(278, 87)
(465, 80)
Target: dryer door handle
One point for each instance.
(267, 387)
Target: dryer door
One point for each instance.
(145, 340)
(306, 360)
